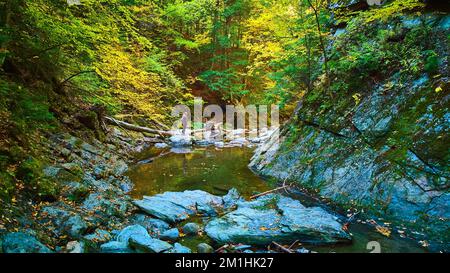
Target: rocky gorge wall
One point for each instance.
(383, 149)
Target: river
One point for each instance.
(217, 170)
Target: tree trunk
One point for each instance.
(136, 128)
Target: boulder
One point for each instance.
(276, 218)
(177, 206)
(99, 236)
(178, 248)
(204, 248)
(219, 144)
(191, 229)
(105, 206)
(19, 242)
(231, 198)
(125, 184)
(148, 244)
(64, 220)
(75, 247)
(75, 191)
(161, 145)
(126, 233)
(171, 234)
(154, 226)
(115, 247)
(180, 140)
(75, 226)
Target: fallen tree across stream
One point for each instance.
(137, 128)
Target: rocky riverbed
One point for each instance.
(96, 213)
(93, 212)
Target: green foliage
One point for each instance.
(431, 61)
(7, 184)
(26, 110)
(96, 51)
(226, 82)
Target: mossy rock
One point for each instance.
(31, 172)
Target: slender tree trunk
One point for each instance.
(322, 43)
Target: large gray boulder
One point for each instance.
(115, 247)
(180, 140)
(136, 238)
(154, 226)
(177, 206)
(126, 233)
(148, 244)
(276, 218)
(19, 242)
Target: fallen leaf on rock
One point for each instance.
(345, 226)
(383, 230)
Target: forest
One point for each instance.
(88, 161)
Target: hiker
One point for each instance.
(184, 122)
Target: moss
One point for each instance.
(431, 65)
(7, 186)
(269, 203)
(79, 194)
(31, 173)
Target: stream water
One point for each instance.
(218, 170)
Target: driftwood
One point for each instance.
(270, 191)
(136, 128)
(282, 247)
(293, 244)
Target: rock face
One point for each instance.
(276, 218)
(391, 158)
(19, 242)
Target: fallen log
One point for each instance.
(136, 128)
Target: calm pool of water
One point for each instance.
(209, 169)
(218, 170)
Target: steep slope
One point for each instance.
(380, 143)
